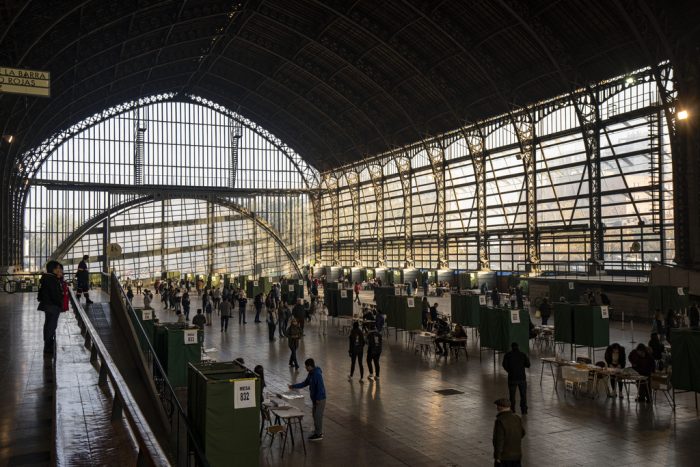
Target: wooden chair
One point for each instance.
(272, 429)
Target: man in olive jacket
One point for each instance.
(507, 435)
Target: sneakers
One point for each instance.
(376, 378)
(370, 378)
(316, 438)
(349, 377)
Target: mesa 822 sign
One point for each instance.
(244, 393)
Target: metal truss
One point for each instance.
(525, 132)
(331, 183)
(377, 176)
(316, 210)
(586, 105)
(437, 164)
(105, 215)
(477, 150)
(354, 188)
(403, 165)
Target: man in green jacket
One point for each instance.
(507, 435)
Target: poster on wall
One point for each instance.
(515, 316)
(409, 302)
(255, 283)
(482, 299)
(291, 287)
(680, 291)
(604, 313)
(301, 281)
(571, 286)
(344, 293)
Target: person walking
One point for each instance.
(242, 302)
(139, 286)
(51, 302)
(186, 304)
(317, 393)
(225, 311)
(299, 314)
(208, 309)
(83, 279)
(147, 299)
(216, 298)
(293, 339)
(515, 362)
(374, 351)
(271, 321)
(356, 289)
(508, 433)
(357, 345)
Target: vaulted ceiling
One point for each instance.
(336, 80)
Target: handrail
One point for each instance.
(167, 394)
(150, 452)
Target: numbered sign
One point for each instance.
(344, 293)
(482, 299)
(244, 393)
(146, 315)
(255, 283)
(571, 286)
(301, 281)
(680, 291)
(190, 336)
(409, 302)
(515, 316)
(291, 287)
(604, 313)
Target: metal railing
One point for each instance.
(150, 452)
(609, 270)
(185, 447)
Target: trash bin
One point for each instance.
(223, 405)
(176, 345)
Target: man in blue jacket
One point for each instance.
(317, 391)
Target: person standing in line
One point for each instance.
(670, 323)
(323, 319)
(130, 294)
(186, 304)
(216, 296)
(178, 301)
(225, 311)
(199, 320)
(508, 433)
(694, 316)
(271, 321)
(147, 299)
(515, 362)
(258, 302)
(374, 351)
(495, 297)
(299, 314)
(51, 302)
(139, 285)
(356, 289)
(242, 301)
(545, 311)
(208, 309)
(317, 392)
(357, 345)
(293, 339)
(83, 280)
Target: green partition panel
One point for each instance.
(338, 301)
(666, 298)
(223, 405)
(518, 331)
(465, 310)
(591, 326)
(487, 327)
(405, 316)
(294, 288)
(686, 359)
(330, 299)
(172, 351)
(563, 322)
(145, 317)
(558, 289)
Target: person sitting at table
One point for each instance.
(459, 332)
(368, 320)
(442, 330)
(615, 358)
(643, 363)
(657, 350)
(434, 313)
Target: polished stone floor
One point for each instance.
(400, 421)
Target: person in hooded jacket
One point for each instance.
(317, 393)
(51, 302)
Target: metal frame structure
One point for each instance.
(531, 171)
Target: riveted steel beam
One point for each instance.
(377, 176)
(403, 165)
(436, 155)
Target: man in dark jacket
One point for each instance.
(83, 279)
(545, 311)
(51, 302)
(317, 391)
(515, 362)
(694, 316)
(508, 433)
(374, 351)
(299, 313)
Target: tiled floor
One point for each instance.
(402, 421)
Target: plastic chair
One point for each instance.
(272, 429)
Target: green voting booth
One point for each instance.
(686, 359)
(176, 346)
(223, 404)
(591, 325)
(499, 327)
(563, 322)
(144, 317)
(465, 309)
(294, 288)
(337, 299)
(403, 312)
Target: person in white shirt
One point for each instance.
(323, 319)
